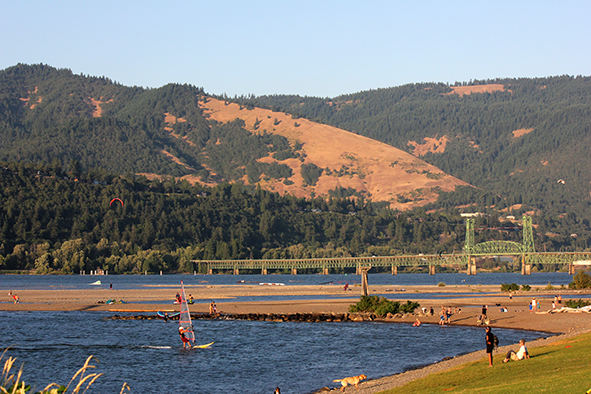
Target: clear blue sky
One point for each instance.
(314, 48)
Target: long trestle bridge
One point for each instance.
(465, 260)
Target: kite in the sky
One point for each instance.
(116, 199)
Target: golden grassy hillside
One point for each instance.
(386, 173)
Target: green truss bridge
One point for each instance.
(466, 260)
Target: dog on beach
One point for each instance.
(354, 380)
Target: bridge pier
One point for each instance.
(209, 271)
(431, 270)
(263, 271)
(236, 271)
(294, 271)
(394, 270)
(324, 271)
(571, 269)
(471, 266)
(525, 269)
(364, 283)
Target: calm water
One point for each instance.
(247, 357)
(17, 282)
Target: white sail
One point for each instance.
(185, 317)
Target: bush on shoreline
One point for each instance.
(382, 306)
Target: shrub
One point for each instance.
(577, 304)
(410, 306)
(381, 306)
(441, 284)
(505, 287)
(525, 287)
(581, 280)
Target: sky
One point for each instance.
(310, 48)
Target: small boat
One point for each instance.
(97, 283)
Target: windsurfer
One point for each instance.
(185, 340)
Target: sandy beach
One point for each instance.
(469, 299)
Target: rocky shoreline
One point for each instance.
(276, 317)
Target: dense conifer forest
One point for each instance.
(63, 163)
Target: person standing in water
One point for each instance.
(185, 340)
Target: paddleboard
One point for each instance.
(202, 346)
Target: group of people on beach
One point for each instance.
(446, 313)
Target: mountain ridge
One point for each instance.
(178, 130)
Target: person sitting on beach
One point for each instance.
(520, 355)
(431, 311)
(417, 323)
(178, 298)
(185, 340)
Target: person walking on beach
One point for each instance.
(490, 345)
(484, 309)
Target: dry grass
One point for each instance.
(386, 173)
(81, 381)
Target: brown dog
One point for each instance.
(354, 380)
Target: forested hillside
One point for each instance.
(525, 140)
(52, 116)
(195, 174)
(51, 222)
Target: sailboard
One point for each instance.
(202, 346)
(185, 321)
(185, 318)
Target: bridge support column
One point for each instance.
(571, 269)
(364, 283)
(431, 270)
(324, 271)
(394, 270)
(471, 266)
(294, 271)
(358, 270)
(209, 271)
(263, 271)
(236, 271)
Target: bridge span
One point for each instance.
(462, 261)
